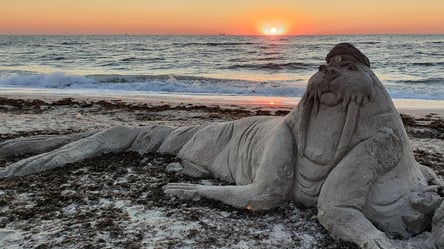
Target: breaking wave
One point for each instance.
(272, 66)
(154, 83)
(202, 85)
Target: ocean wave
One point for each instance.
(130, 59)
(74, 43)
(271, 46)
(428, 88)
(154, 83)
(120, 84)
(428, 81)
(142, 49)
(428, 64)
(271, 58)
(53, 80)
(436, 42)
(241, 59)
(267, 58)
(272, 66)
(368, 42)
(213, 44)
(272, 53)
(408, 93)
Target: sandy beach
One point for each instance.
(116, 201)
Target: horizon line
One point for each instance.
(216, 34)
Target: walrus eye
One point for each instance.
(338, 58)
(349, 66)
(352, 67)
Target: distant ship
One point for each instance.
(222, 34)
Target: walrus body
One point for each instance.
(343, 149)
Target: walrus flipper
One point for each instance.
(236, 196)
(341, 207)
(354, 213)
(252, 196)
(116, 139)
(438, 228)
(39, 144)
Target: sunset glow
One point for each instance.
(231, 17)
(273, 29)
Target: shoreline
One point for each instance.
(415, 107)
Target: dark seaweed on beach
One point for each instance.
(86, 184)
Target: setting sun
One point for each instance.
(273, 29)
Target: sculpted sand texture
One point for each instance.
(342, 149)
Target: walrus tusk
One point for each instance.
(303, 125)
(347, 131)
(345, 102)
(316, 105)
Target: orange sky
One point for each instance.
(239, 17)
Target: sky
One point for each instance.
(232, 17)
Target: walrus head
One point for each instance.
(347, 80)
(341, 80)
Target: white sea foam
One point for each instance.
(119, 84)
(146, 83)
(53, 80)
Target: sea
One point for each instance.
(410, 66)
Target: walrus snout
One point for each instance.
(330, 74)
(330, 99)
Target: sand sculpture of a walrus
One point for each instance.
(343, 149)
